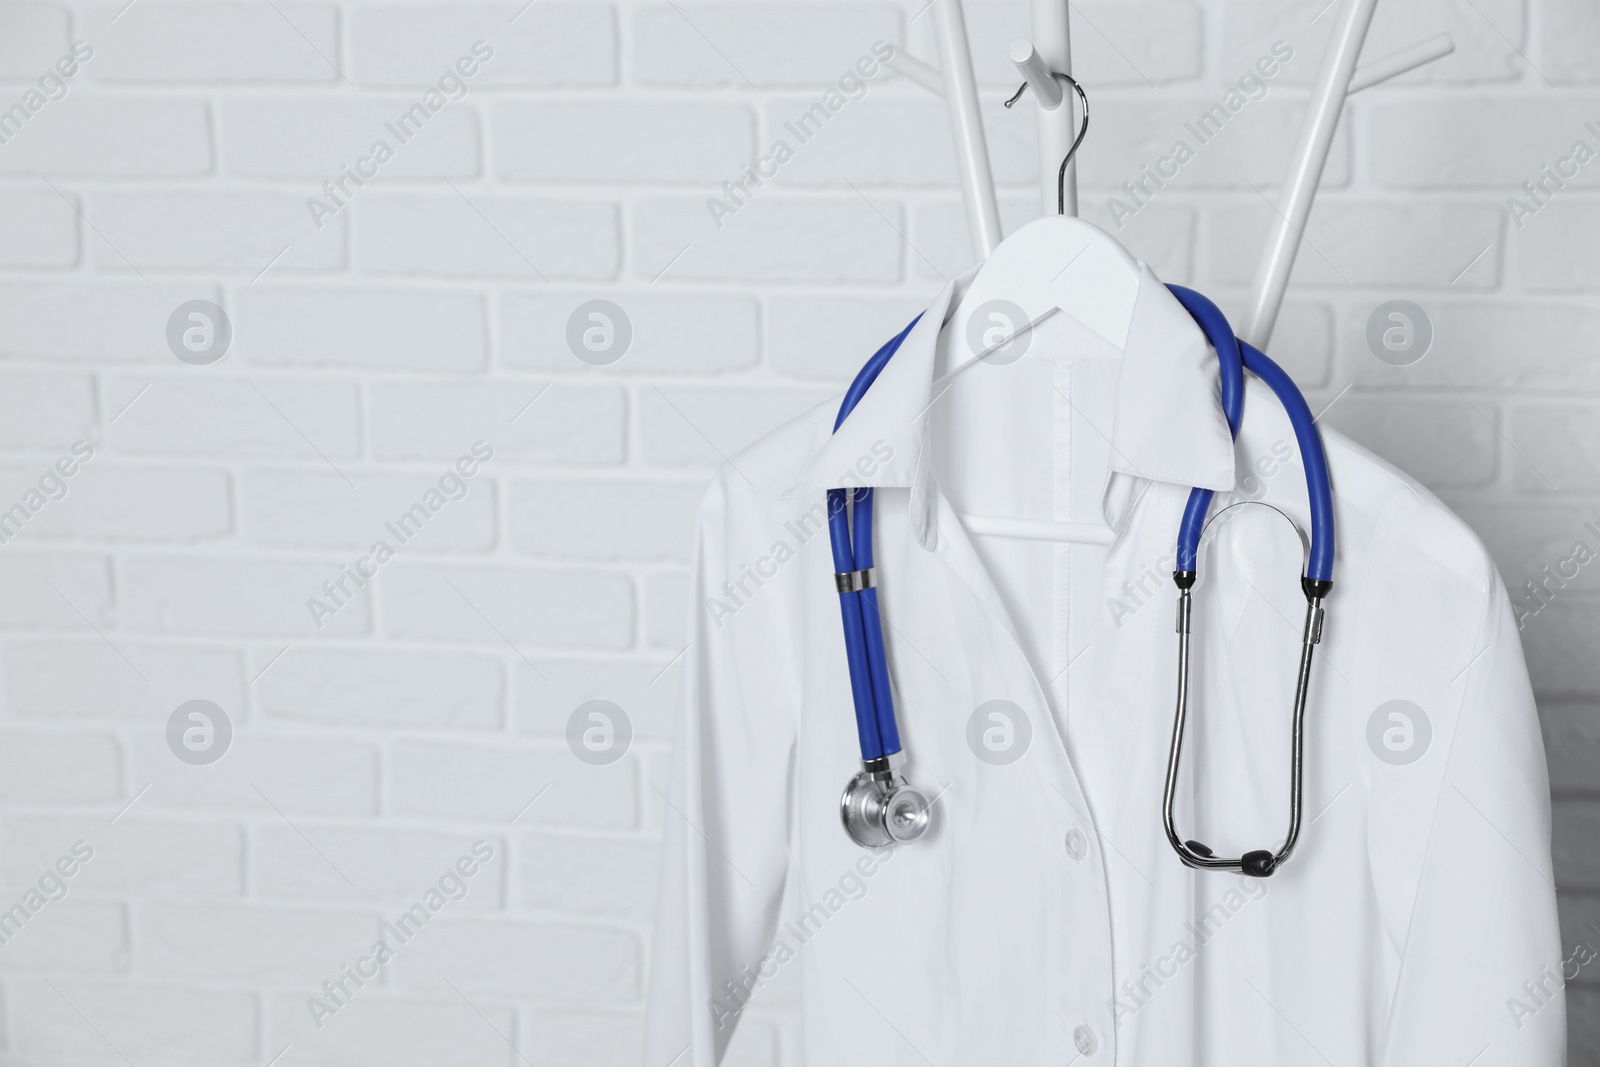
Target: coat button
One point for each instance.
(1077, 844)
(1084, 1040)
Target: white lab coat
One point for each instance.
(1044, 919)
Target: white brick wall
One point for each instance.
(430, 311)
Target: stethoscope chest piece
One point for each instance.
(879, 808)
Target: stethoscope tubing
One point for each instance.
(1234, 357)
(850, 535)
(865, 652)
(1319, 486)
(855, 629)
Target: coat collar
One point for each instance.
(1169, 425)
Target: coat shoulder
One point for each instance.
(763, 471)
(1380, 506)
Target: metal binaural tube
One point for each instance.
(1262, 862)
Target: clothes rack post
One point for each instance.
(1337, 79)
(1050, 50)
(966, 124)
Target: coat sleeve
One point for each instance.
(1479, 978)
(725, 849)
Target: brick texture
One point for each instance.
(406, 211)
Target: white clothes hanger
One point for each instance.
(1055, 263)
(1082, 254)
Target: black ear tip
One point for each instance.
(1198, 849)
(1257, 864)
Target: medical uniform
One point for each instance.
(1044, 918)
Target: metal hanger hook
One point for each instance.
(1061, 176)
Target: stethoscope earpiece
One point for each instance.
(1258, 864)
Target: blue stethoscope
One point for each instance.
(880, 807)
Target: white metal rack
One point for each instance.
(1050, 49)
